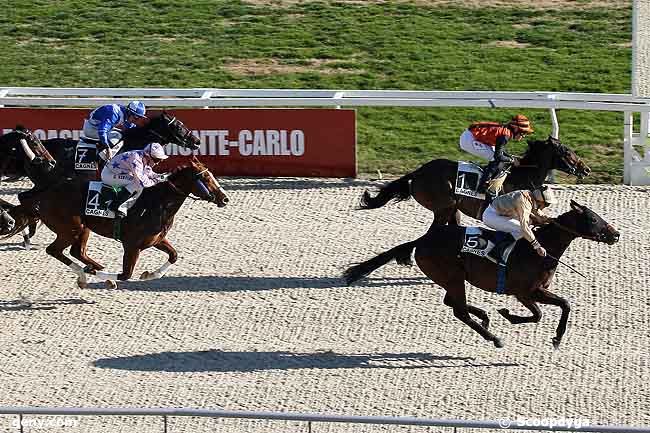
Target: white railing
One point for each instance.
(637, 164)
(309, 419)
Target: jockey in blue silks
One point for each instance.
(103, 122)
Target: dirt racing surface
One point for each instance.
(254, 316)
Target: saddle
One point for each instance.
(490, 244)
(100, 199)
(468, 177)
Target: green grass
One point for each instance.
(389, 46)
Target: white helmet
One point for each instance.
(155, 150)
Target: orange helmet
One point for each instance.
(520, 123)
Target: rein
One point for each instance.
(596, 238)
(178, 191)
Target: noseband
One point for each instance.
(600, 237)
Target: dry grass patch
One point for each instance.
(509, 44)
(274, 66)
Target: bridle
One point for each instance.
(600, 237)
(197, 178)
(181, 133)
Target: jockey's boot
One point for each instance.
(488, 173)
(116, 205)
(500, 248)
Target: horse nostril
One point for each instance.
(226, 199)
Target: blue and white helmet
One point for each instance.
(136, 108)
(156, 151)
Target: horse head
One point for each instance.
(21, 151)
(169, 129)
(197, 180)
(588, 224)
(555, 155)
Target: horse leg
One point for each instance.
(480, 313)
(78, 251)
(129, 259)
(456, 299)
(55, 249)
(166, 247)
(515, 319)
(546, 297)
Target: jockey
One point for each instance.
(134, 171)
(514, 212)
(488, 140)
(103, 120)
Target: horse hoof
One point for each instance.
(81, 282)
(111, 285)
(556, 343)
(145, 275)
(498, 343)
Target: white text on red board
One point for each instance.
(220, 142)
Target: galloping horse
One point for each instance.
(529, 276)
(164, 128)
(17, 161)
(146, 225)
(433, 184)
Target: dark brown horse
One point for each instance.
(529, 276)
(146, 225)
(433, 184)
(29, 156)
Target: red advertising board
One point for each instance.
(235, 142)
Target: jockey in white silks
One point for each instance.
(515, 212)
(102, 124)
(134, 171)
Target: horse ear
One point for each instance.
(576, 207)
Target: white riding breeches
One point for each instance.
(127, 181)
(476, 148)
(502, 223)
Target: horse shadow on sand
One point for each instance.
(257, 184)
(24, 304)
(230, 362)
(233, 283)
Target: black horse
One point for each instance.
(438, 254)
(433, 184)
(163, 128)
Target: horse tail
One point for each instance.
(23, 218)
(399, 190)
(401, 254)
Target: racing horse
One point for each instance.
(16, 162)
(146, 225)
(438, 254)
(433, 184)
(32, 158)
(163, 128)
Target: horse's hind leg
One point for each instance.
(515, 319)
(78, 251)
(166, 247)
(456, 299)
